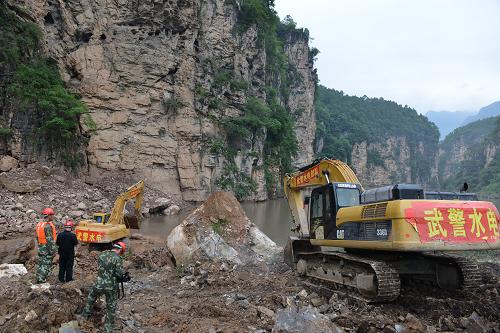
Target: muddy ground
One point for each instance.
(220, 297)
(209, 296)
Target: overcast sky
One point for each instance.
(429, 54)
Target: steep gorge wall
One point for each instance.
(390, 168)
(472, 154)
(384, 142)
(394, 160)
(160, 78)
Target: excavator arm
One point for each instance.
(101, 232)
(320, 172)
(135, 191)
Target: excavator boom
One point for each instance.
(135, 191)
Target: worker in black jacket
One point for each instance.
(66, 241)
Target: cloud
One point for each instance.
(431, 55)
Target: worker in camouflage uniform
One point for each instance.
(46, 241)
(110, 273)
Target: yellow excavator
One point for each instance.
(106, 228)
(368, 241)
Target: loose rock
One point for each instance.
(20, 185)
(299, 320)
(31, 316)
(16, 250)
(172, 210)
(10, 270)
(220, 230)
(8, 163)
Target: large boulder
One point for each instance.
(172, 210)
(16, 250)
(20, 185)
(8, 163)
(220, 230)
(160, 205)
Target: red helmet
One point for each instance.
(121, 246)
(48, 211)
(69, 224)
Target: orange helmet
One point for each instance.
(121, 246)
(48, 211)
(69, 224)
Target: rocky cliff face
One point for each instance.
(391, 161)
(386, 170)
(472, 154)
(384, 142)
(161, 77)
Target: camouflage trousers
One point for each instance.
(111, 303)
(44, 266)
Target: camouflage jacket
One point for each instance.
(50, 248)
(110, 269)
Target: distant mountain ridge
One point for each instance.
(447, 121)
(489, 111)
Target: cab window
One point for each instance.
(327, 203)
(317, 205)
(347, 197)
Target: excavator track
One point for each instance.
(372, 280)
(470, 276)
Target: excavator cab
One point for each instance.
(102, 217)
(325, 202)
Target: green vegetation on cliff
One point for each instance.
(31, 85)
(472, 154)
(262, 120)
(344, 120)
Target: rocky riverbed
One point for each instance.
(205, 291)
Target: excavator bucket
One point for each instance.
(132, 222)
(295, 247)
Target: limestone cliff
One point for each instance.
(472, 154)
(162, 78)
(389, 168)
(393, 160)
(385, 143)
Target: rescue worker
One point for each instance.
(46, 240)
(66, 242)
(110, 272)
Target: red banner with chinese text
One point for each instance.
(307, 175)
(472, 222)
(89, 236)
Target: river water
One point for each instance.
(272, 217)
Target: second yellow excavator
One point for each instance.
(368, 241)
(106, 228)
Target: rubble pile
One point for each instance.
(223, 296)
(24, 192)
(27, 309)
